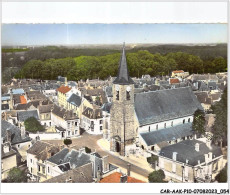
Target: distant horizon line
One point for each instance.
(101, 44)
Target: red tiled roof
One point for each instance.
(115, 178)
(178, 71)
(173, 81)
(23, 99)
(64, 89)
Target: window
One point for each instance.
(117, 95)
(174, 167)
(43, 170)
(18, 145)
(75, 123)
(156, 127)
(152, 148)
(128, 95)
(100, 127)
(75, 131)
(48, 169)
(165, 125)
(39, 168)
(189, 120)
(68, 126)
(31, 160)
(183, 121)
(172, 124)
(149, 128)
(68, 132)
(31, 170)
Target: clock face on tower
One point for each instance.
(128, 88)
(117, 88)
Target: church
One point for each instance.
(136, 117)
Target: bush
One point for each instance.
(156, 177)
(16, 175)
(67, 141)
(222, 176)
(87, 150)
(32, 125)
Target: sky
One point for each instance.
(74, 34)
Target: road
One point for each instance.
(91, 141)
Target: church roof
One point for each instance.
(162, 105)
(123, 77)
(168, 134)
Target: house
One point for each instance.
(8, 159)
(66, 120)
(92, 120)
(82, 174)
(191, 161)
(179, 73)
(119, 178)
(36, 156)
(69, 159)
(45, 114)
(17, 139)
(64, 92)
(62, 80)
(5, 107)
(35, 95)
(18, 91)
(74, 103)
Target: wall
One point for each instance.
(176, 122)
(7, 164)
(46, 136)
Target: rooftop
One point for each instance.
(156, 106)
(64, 89)
(186, 151)
(115, 178)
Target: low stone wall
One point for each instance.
(46, 135)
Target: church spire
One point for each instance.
(123, 77)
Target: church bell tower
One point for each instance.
(122, 133)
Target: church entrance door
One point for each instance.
(117, 147)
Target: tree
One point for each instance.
(67, 142)
(32, 125)
(222, 175)
(219, 128)
(199, 121)
(157, 176)
(87, 150)
(16, 175)
(152, 160)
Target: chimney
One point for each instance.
(23, 132)
(208, 143)
(174, 156)
(105, 164)
(123, 179)
(98, 176)
(8, 136)
(197, 147)
(128, 169)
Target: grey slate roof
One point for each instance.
(23, 115)
(14, 131)
(106, 107)
(123, 77)
(71, 156)
(162, 105)
(168, 134)
(186, 150)
(75, 100)
(81, 174)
